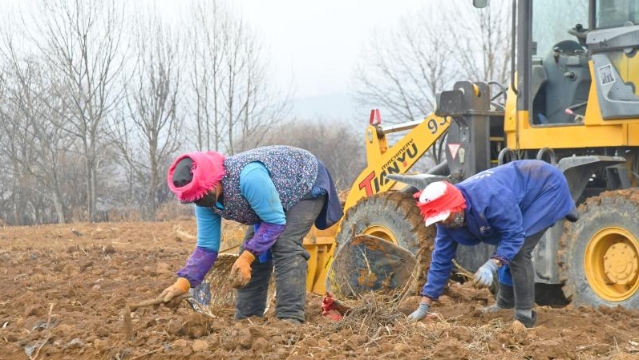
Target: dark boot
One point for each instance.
(505, 300)
(294, 322)
(528, 322)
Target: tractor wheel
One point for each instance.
(394, 217)
(599, 260)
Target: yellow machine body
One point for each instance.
(576, 105)
(420, 137)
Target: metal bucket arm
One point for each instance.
(419, 181)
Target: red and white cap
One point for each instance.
(438, 200)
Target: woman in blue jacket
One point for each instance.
(509, 206)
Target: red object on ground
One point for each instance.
(332, 308)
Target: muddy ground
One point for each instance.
(64, 289)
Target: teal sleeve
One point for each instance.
(209, 225)
(258, 189)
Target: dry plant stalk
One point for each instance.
(128, 324)
(46, 340)
(148, 353)
(374, 311)
(461, 271)
(468, 275)
(402, 293)
(183, 235)
(222, 292)
(128, 308)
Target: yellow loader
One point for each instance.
(573, 101)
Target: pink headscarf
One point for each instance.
(207, 169)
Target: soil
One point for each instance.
(64, 289)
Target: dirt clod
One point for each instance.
(259, 345)
(199, 345)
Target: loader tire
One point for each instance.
(394, 217)
(599, 256)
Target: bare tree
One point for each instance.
(12, 150)
(82, 42)
(335, 143)
(231, 95)
(482, 42)
(402, 69)
(206, 76)
(148, 131)
(251, 103)
(5, 176)
(47, 145)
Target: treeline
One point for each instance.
(97, 97)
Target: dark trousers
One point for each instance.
(289, 262)
(521, 295)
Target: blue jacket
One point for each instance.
(505, 204)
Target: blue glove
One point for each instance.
(484, 275)
(421, 311)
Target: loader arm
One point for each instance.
(381, 160)
(397, 159)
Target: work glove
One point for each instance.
(180, 287)
(241, 270)
(420, 313)
(485, 274)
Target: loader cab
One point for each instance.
(574, 82)
(574, 88)
(559, 74)
(557, 44)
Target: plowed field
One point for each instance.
(63, 290)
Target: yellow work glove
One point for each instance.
(241, 270)
(180, 287)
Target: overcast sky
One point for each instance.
(318, 42)
(314, 45)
